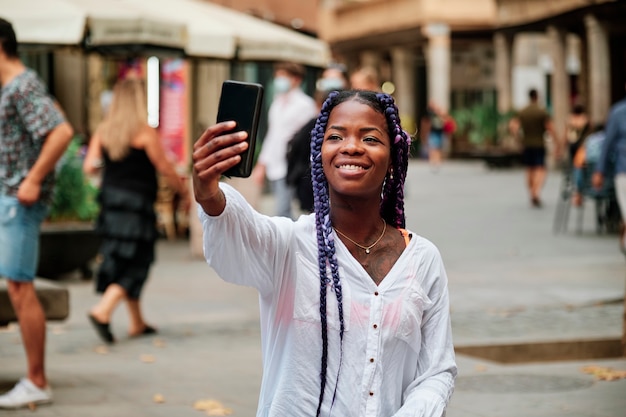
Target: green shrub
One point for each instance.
(482, 124)
(74, 196)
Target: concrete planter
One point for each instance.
(66, 247)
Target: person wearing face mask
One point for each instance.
(334, 78)
(289, 111)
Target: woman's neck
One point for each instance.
(360, 224)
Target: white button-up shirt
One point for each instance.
(398, 358)
(287, 114)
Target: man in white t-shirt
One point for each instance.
(289, 111)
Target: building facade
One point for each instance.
(488, 52)
(586, 52)
(300, 15)
(429, 50)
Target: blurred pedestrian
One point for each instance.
(334, 78)
(289, 111)
(365, 78)
(535, 122)
(299, 148)
(584, 163)
(577, 128)
(130, 154)
(354, 308)
(437, 125)
(612, 161)
(33, 136)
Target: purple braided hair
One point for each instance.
(391, 208)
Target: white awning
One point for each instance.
(111, 22)
(116, 22)
(253, 38)
(258, 39)
(207, 37)
(46, 22)
(202, 29)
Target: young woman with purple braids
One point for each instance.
(354, 308)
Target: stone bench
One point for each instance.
(54, 298)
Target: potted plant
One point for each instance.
(486, 134)
(68, 241)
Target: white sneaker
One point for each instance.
(25, 393)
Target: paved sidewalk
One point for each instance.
(511, 281)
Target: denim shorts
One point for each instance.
(19, 238)
(435, 140)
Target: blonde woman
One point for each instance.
(130, 153)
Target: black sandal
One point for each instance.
(147, 331)
(102, 329)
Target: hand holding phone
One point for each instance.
(242, 102)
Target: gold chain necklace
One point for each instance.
(366, 248)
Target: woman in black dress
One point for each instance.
(130, 153)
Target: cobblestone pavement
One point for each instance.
(511, 280)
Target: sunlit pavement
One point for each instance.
(512, 280)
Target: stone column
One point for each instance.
(95, 87)
(438, 63)
(560, 79)
(583, 75)
(503, 45)
(599, 69)
(70, 80)
(403, 76)
(207, 79)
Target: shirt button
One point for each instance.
(371, 394)
(376, 293)
(375, 326)
(371, 359)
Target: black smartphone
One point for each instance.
(242, 102)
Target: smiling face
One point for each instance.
(356, 151)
